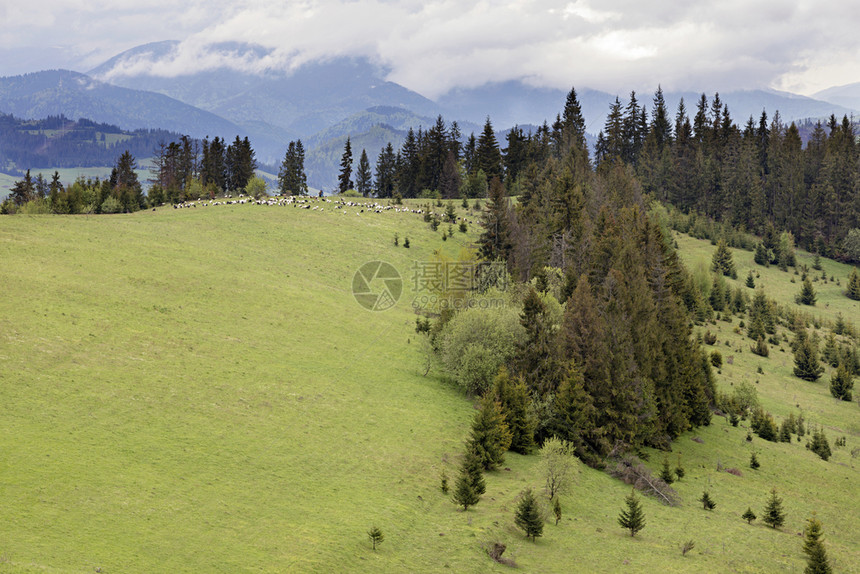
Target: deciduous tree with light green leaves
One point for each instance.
(256, 187)
(557, 465)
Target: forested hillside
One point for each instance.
(565, 337)
(58, 142)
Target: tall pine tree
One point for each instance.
(344, 179)
(490, 436)
(363, 176)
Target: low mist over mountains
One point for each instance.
(848, 95)
(323, 102)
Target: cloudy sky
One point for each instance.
(433, 45)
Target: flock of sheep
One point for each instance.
(312, 203)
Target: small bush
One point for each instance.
(716, 359)
(754, 463)
(111, 205)
(495, 551)
(376, 537)
(687, 546)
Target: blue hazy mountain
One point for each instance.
(322, 102)
(847, 95)
(76, 95)
(303, 102)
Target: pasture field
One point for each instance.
(197, 390)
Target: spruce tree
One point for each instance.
(807, 293)
(831, 350)
(679, 470)
(853, 289)
(761, 316)
(475, 472)
(124, 183)
(495, 241)
(344, 179)
(754, 463)
(813, 547)
(490, 436)
(575, 417)
(717, 298)
(761, 257)
(376, 537)
(363, 176)
(750, 280)
(819, 444)
(806, 364)
(464, 494)
(785, 431)
(817, 561)
(760, 347)
(292, 179)
(386, 168)
(536, 360)
(722, 261)
(774, 515)
(470, 482)
(707, 502)
(488, 157)
(23, 190)
(632, 518)
(514, 399)
(816, 262)
(749, 515)
(666, 474)
(841, 383)
(528, 516)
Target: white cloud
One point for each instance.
(581, 9)
(434, 45)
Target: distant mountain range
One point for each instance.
(323, 102)
(61, 92)
(848, 95)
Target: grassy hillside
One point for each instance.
(197, 390)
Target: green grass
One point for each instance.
(197, 391)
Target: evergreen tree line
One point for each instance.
(188, 168)
(292, 179)
(121, 192)
(617, 366)
(181, 170)
(750, 177)
(439, 161)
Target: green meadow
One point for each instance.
(197, 390)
